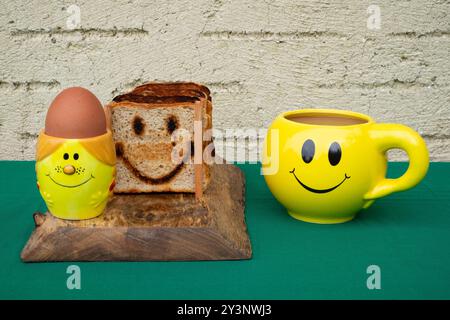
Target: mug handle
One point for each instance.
(388, 136)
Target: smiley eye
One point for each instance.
(66, 156)
(171, 124)
(308, 150)
(334, 153)
(75, 156)
(138, 125)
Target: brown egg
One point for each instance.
(75, 113)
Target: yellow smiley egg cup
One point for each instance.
(325, 165)
(75, 176)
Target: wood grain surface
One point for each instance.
(156, 226)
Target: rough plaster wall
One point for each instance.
(258, 57)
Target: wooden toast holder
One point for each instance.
(152, 227)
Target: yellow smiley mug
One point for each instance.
(325, 165)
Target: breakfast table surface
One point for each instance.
(399, 248)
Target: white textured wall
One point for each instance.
(258, 58)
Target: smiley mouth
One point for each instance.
(318, 190)
(120, 152)
(66, 186)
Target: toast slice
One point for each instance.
(153, 130)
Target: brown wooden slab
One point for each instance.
(156, 226)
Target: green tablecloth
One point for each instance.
(406, 234)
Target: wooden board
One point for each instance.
(155, 226)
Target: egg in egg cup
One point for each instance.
(75, 156)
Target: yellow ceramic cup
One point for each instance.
(75, 176)
(326, 165)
